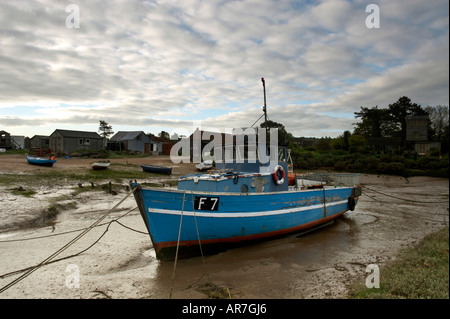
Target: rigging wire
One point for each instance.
(257, 120)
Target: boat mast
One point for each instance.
(265, 107)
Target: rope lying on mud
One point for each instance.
(405, 199)
(48, 260)
(75, 230)
(409, 213)
(79, 253)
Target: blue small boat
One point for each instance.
(157, 169)
(41, 161)
(216, 211)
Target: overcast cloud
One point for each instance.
(167, 65)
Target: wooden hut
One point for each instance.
(67, 141)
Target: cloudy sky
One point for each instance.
(175, 65)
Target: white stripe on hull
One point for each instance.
(248, 214)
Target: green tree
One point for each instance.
(105, 131)
(337, 143)
(375, 122)
(356, 143)
(346, 137)
(387, 122)
(398, 112)
(324, 144)
(284, 138)
(164, 135)
(439, 119)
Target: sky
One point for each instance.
(175, 66)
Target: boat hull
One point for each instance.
(157, 169)
(217, 221)
(100, 165)
(40, 161)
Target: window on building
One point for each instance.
(84, 141)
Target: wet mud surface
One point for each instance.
(393, 213)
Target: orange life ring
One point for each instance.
(275, 174)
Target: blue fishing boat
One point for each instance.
(243, 200)
(228, 207)
(41, 161)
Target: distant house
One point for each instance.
(427, 148)
(417, 128)
(67, 142)
(18, 141)
(417, 132)
(8, 141)
(39, 142)
(134, 141)
(5, 140)
(161, 146)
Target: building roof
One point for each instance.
(157, 139)
(126, 136)
(40, 136)
(77, 134)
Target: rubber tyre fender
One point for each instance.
(351, 203)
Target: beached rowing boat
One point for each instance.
(42, 161)
(157, 169)
(100, 165)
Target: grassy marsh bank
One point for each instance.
(420, 272)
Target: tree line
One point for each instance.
(352, 152)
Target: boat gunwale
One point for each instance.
(181, 191)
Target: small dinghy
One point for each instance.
(205, 165)
(157, 169)
(100, 165)
(42, 161)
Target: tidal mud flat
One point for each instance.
(393, 213)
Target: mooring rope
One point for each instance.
(407, 213)
(196, 227)
(178, 245)
(73, 231)
(84, 250)
(405, 199)
(48, 259)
